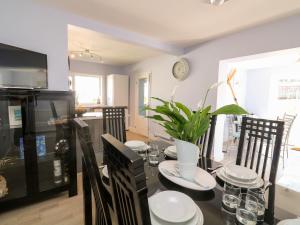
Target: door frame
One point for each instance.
(138, 76)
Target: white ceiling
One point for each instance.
(182, 23)
(113, 52)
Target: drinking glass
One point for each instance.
(143, 153)
(246, 211)
(259, 193)
(230, 197)
(153, 155)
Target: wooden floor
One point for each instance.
(60, 210)
(135, 136)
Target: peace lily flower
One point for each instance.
(199, 104)
(174, 92)
(214, 85)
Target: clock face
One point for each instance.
(180, 69)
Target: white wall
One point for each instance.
(36, 27)
(257, 98)
(262, 95)
(94, 68)
(29, 26)
(204, 60)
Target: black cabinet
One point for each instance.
(37, 145)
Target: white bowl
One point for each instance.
(135, 144)
(172, 206)
(172, 149)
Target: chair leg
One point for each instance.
(87, 197)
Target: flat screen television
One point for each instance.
(21, 68)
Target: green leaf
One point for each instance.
(161, 100)
(156, 117)
(230, 109)
(184, 109)
(181, 123)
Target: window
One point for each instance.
(88, 89)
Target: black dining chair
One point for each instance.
(205, 143)
(128, 183)
(254, 150)
(114, 122)
(91, 180)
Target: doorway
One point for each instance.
(142, 98)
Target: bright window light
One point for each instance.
(88, 89)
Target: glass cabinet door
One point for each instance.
(52, 134)
(12, 157)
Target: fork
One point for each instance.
(176, 174)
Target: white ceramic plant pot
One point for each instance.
(187, 156)
(187, 152)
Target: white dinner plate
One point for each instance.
(289, 222)
(134, 144)
(240, 173)
(182, 206)
(206, 180)
(170, 154)
(105, 171)
(259, 182)
(198, 219)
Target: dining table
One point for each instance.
(210, 202)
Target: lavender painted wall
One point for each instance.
(94, 68)
(36, 27)
(204, 61)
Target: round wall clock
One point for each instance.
(181, 69)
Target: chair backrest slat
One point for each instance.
(92, 178)
(205, 142)
(260, 143)
(114, 122)
(128, 183)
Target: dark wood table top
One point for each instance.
(208, 201)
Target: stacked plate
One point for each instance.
(171, 152)
(137, 145)
(182, 207)
(240, 176)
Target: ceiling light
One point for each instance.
(217, 2)
(87, 54)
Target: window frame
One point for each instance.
(101, 87)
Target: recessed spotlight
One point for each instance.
(72, 55)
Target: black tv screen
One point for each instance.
(21, 68)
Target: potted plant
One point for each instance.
(187, 126)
